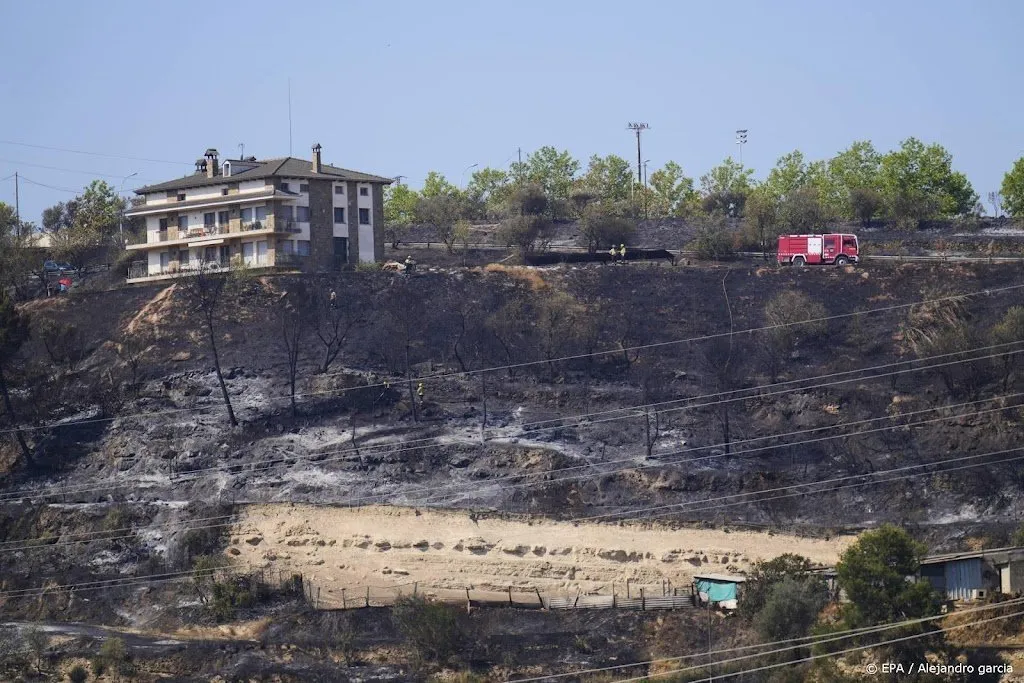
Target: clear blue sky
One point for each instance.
(395, 87)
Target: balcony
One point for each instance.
(139, 270)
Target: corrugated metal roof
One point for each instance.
(993, 552)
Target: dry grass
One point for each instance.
(527, 275)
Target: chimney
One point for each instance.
(211, 163)
(316, 158)
(200, 166)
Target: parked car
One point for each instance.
(55, 267)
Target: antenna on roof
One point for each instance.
(241, 151)
(289, 117)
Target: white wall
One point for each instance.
(155, 198)
(252, 185)
(209, 192)
(152, 228)
(366, 243)
(340, 229)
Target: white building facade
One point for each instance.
(277, 213)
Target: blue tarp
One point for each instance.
(717, 591)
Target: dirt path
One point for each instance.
(389, 546)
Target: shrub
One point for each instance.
(713, 243)
(433, 629)
(78, 674)
(368, 267)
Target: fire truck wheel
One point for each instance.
(842, 260)
(799, 261)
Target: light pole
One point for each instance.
(646, 161)
(741, 139)
(120, 216)
(463, 181)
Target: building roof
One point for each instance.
(998, 554)
(725, 578)
(286, 167)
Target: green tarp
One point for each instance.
(717, 591)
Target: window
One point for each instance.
(224, 191)
(288, 213)
(246, 216)
(364, 192)
(181, 196)
(830, 243)
(182, 222)
(284, 187)
(163, 225)
(303, 188)
(339, 215)
(288, 246)
(165, 260)
(209, 219)
(364, 216)
(223, 218)
(302, 247)
(302, 214)
(247, 253)
(849, 243)
(339, 189)
(340, 251)
(261, 213)
(183, 257)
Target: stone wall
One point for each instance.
(321, 224)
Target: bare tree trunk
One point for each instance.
(220, 375)
(14, 420)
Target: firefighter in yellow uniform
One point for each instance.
(622, 252)
(612, 253)
(420, 391)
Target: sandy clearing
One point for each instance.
(391, 546)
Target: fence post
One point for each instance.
(510, 596)
(643, 604)
(414, 585)
(539, 599)
(367, 596)
(469, 603)
(343, 605)
(316, 605)
(627, 588)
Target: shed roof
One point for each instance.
(997, 554)
(725, 578)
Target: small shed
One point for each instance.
(719, 589)
(970, 575)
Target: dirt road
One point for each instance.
(389, 546)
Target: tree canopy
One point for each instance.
(1013, 190)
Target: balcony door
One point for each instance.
(261, 253)
(247, 253)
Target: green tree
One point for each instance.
(856, 168)
(441, 212)
(865, 203)
(791, 609)
(601, 227)
(790, 173)
(14, 331)
(1012, 190)
(725, 187)
(436, 185)
(801, 211)
(672, 192)
(490, 189)
(527, 224)
(399, 211)
(609, 178)
(60, 216)
(554, 171)
(761, 217)
(95, 223)
(874, 573)
(918, 181)
(18, 260)
(764, 576)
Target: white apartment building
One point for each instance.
(273, 213)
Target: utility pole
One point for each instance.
(17, 206)
(638, 127)
(398, 178)
(289, 117)
(120, 217)
(741, 139)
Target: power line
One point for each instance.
(630, 462)
(811, 658)
(95, 154)
(804, 641)
(43, 184)
(436, 376)
(67, 170)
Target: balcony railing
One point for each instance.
(286, 225)
(140, 269)
(253, 225)
(290, 260)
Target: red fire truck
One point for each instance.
(800, 250)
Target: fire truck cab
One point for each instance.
(800, 250)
